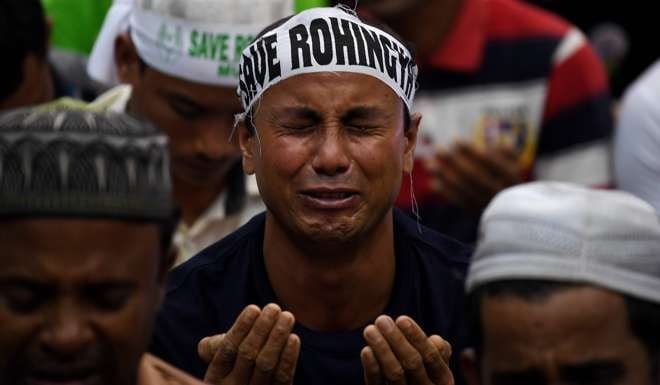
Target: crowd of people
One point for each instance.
(306, 192)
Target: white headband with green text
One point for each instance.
(201, 52)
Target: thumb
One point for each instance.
(207, 347)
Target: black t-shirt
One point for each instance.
(207, 293)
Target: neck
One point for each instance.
(436, 17)
(350, 283)
(194, 200)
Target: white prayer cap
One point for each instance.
(563, 232)
(101, 64)
(196, 40)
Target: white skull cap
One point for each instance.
(232, 17)
(562, 232)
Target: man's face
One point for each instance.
(77, 300)
(198, 120)
(329, 153)
(576, 336)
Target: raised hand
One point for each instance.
(259, 349)
(401, 353)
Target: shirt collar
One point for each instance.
(462, 48)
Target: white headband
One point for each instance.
(325, 40)
(202, 52)
(205, 53)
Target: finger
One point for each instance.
(443, 347)
(478, 170)
(441, 374)
(389, 364)
(454, 187)
(435, 360)
(405, 352)
(505, 166)
(371, 368)
(440, 184)
(249, 349)
(224, 348)
(286, 369)
(500, 162)
(508, 151)
(208, 346)
(269, 355)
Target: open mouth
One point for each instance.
(329, 195)
(330, 199)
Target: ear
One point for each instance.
(127, 60)
(470, 367)
(411, 142)
(247, 141)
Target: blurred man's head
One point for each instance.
(565, 288)
(85, 227)
(25, 77)
(181, 58)
(326, 126)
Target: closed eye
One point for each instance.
(364, 119)
(24, 297)
(108, 296)
(185, 107)
(297, 119)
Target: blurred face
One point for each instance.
(76, 305)
(329, 153)
(577, 336)
(197, 118)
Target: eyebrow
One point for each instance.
(519, 377)
(363, 112)
(303, 112)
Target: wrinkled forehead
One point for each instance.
(330, 88)
(77, 247)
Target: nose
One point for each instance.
(331, 156)
(67, 332)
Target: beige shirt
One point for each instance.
(213, 224)
(153, 371)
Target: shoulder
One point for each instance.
(516, 19)
(219, 256)
(430, 244)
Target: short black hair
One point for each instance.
(249, 115)
(643, 316)
(23, 31)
